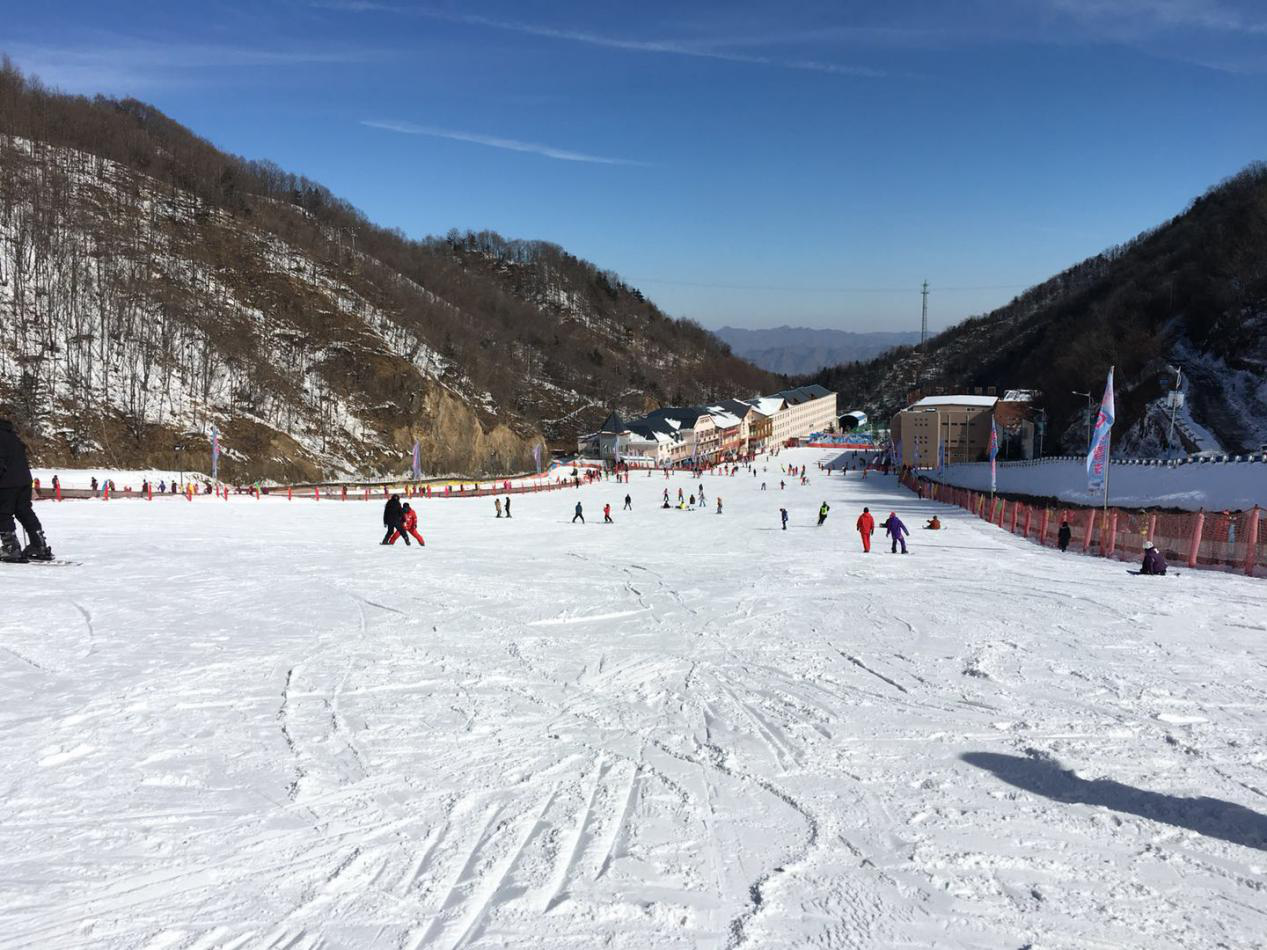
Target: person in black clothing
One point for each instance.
(628, 503)
(393, 518)
(506, 506)
(1063, 536)
(15, 501)
(580, 513)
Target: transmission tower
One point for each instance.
(923, 323)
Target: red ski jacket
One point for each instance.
(866, 524)
(411, 520)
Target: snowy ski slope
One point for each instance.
(246, 724)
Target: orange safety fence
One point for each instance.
(1227, 541)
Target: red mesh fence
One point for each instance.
(1229, 541)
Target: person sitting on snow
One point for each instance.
(934, 525)
(1154, 563)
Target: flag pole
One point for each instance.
(1108, 456)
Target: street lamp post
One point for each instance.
(1090, 409)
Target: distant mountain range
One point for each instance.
(798, 350)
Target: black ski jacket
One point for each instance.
(14, 470)
(393, 514)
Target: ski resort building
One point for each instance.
(726, 430)
(805, 409)
(959, 424)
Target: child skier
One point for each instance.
(408, 526)
(607, 514)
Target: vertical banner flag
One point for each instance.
(215, 452)
(417, 462)
(1098, 457)
(536, 455)
(994, 454)
(941, 457)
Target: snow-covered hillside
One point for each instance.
(246, 724)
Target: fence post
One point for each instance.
(1090, 530)
(1016, 511)
(1042, 526)
(1112, 545)
(1251, 542)
(1195, 544)
(1152, 525)
(1029, 518)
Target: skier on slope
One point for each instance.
(607, 514)
(783, 517)
(393, 518)
(822, 513)
(15, 501)
(580, 513)
(628, 504)
(894, 528)
(506, 506)
(866, 528)
(1063, 536)
(408, 526)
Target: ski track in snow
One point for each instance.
(260, 728)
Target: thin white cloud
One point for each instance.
(130, 66)
(696, 49)
(1150, 15)
(492, 141)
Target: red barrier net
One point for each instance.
(1226, 541)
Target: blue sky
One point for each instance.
(753, 164)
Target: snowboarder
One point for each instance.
(866, 528)
(393, 518)
(408, 526)
(1063, 536)
(897, 531)
(607, 514)
(1154, 563)
(497, 503)
(934, 525)
(783, 517)
(580, 513)
(506, 506)
(15, 501)
(822, 513)
(628, 504)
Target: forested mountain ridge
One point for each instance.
(1190, 294)
(152, 286)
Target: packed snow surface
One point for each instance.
(246, 724)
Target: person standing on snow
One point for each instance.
(866, 528)
(783, 517)
(822, 513)
(497, 503)
(628, 504)
(580, 513)
(15, 501)
(393, 518)
(607, 514)
(719, 504)
(507, 506)
(408, 526)
(897, 531)
(1063, 536)
(1154, 563)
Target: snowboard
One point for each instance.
(1142, 574)
(55, 562)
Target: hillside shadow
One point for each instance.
(1211, 817)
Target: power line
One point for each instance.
(818, 290)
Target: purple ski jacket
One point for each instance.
(893, 527)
